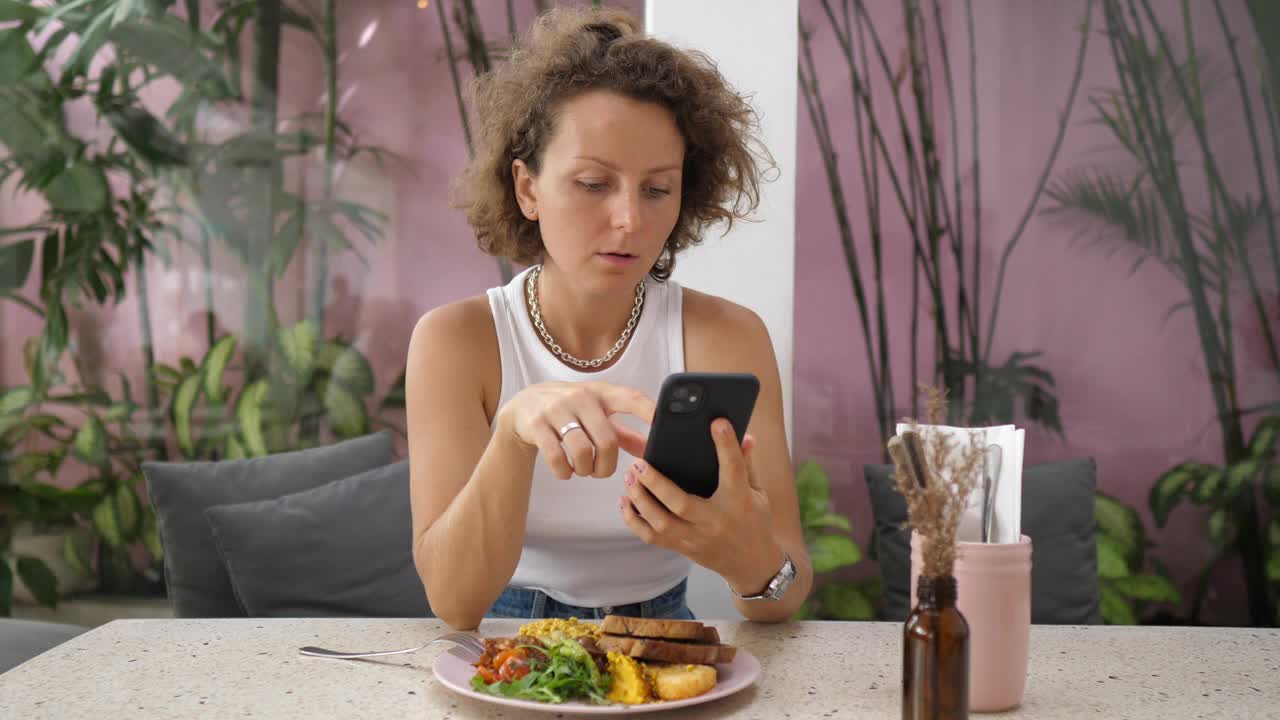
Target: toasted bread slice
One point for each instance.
(667, 650)
(660, 629)
(678, 682)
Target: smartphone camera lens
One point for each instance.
(685, 398)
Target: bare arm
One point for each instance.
(469, 489)
(470, 486)
(722, 337)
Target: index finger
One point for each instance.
(618, 399)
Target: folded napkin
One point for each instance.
(1005, 463)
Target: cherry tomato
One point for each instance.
(514, 668)
(487, 674)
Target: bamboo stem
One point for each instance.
(266, 82)
(956, 223)
(457, 82)
(1217, 185)
(818, 118)
(1041, 182)
(871, 181)
(479, 57)
(1262, 183)
(976, 152)
(930, 176)
(863, 94)
(154, 418)
(320, 256)
(27, 304)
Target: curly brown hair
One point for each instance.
(570, 51)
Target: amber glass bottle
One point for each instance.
(935, 654)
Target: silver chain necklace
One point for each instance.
(536, 312)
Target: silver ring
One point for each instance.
(569, 427)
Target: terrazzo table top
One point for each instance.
(250, 668)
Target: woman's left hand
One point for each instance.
(730, 533)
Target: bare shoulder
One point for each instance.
(457, 343)
(723, 336)
(468, 321)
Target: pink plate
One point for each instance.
(456, 672)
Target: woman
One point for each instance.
(605, 154)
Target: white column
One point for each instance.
(754, 43)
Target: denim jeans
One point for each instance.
(517, 602)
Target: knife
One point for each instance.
(989, 484)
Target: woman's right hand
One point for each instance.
(536, 415)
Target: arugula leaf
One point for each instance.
(569, 673)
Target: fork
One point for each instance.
(469, 643)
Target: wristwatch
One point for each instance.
(777, 586)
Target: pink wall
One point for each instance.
(1132, 388)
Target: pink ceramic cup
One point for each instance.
(993, 592)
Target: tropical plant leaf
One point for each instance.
(249, 413)
(805, 612)
(15, 401)
(1121, 523)
(830, 520)
(814, 491)
(15, 265)
(164, 44)
(298, 343)
(235, 450)
(19, 63)
(107, 524)
(348, 366)
(1147, 588)
(39, 579)
(151, 535)
(1264, 438)
(345, 411)
(1222, 527)
(1111, 562)
(119, 411)
(1113, 209)
(1239, 476)
(74, 554)
(286, 243)
(215, 365)
(1271, 484)
(1115, 609)
(395, 398)
(1173, 487)
(13, 10)
(832, 552)
(845, 601)
(90, 444)
(1209, 488)
(184, 401)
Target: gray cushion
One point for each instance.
(342, 549)
(198, 583)
(1057, 514)
(21, 640)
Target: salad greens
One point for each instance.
(568, 673)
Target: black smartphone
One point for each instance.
(680, 444)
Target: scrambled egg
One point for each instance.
(557, 629)
(629, 684)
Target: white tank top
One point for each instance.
(577, 549)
